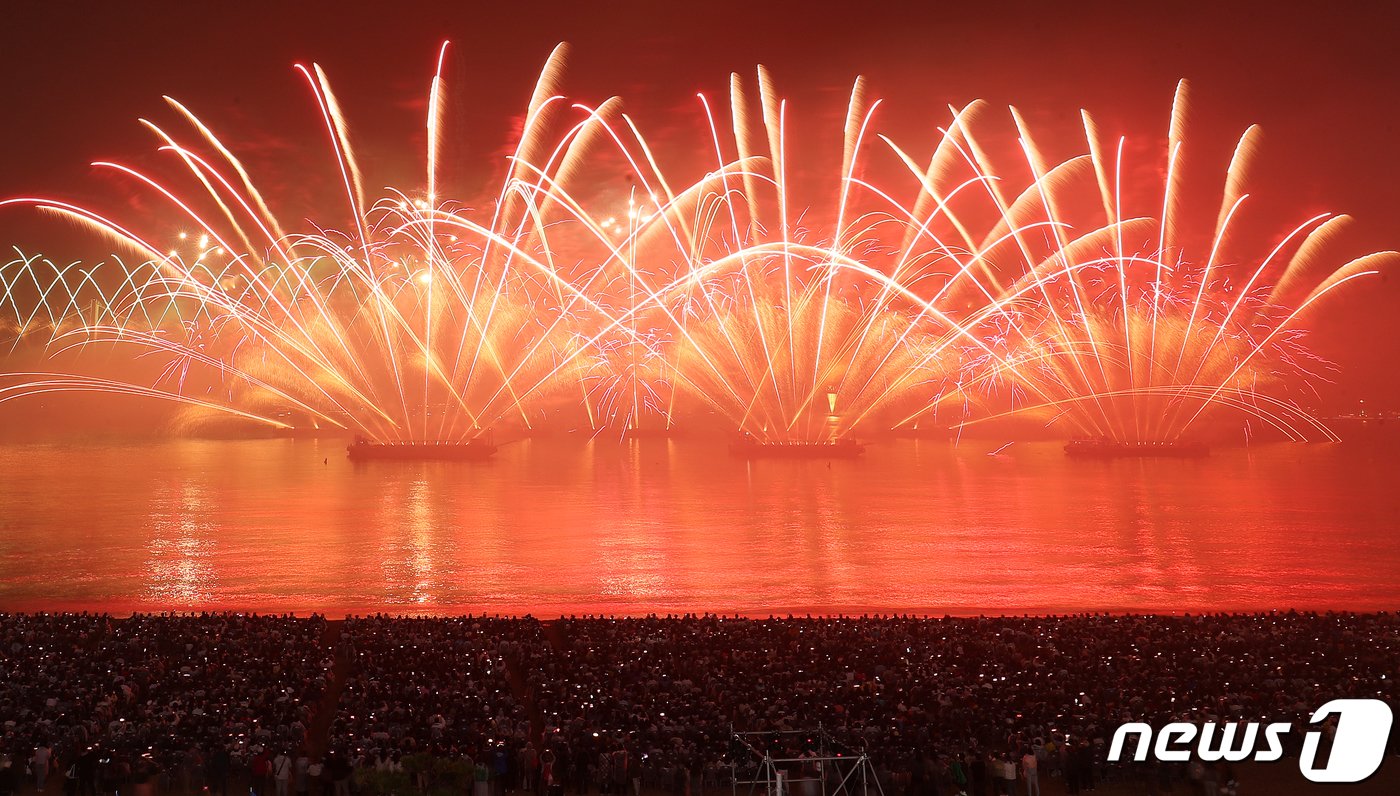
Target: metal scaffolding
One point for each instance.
(824, 767)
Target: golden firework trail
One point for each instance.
(956, 292)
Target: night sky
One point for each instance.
(1322, 80)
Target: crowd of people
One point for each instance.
(683, 705)
(97, 705)
(943, 706)
(432, 688)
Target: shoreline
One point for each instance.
(751, 615)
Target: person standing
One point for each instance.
(618, 766)
(957, 774)
(529, 767)
(1229, 786)
(260, 768)
(281, 773)
(1210, 779)
(40, 761)
(500, 769)
(1086, 765)
(481, 785)
(547, 769)
(87, 772)
(9, 779)
(339, 770)
(1030, 771)
(301, 774)
(977, 768)
(1008, 775)
(317, 781)
(71, 784)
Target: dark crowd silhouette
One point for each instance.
(282, 705)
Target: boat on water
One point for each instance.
(421, 450)
(1103, 448)
(750, 447)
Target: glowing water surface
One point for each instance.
(572, 526)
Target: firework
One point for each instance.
(954, 293)
(1106, 326)
(419, 319)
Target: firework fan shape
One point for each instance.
(1106, 326)
(419, 320)
(954, 294)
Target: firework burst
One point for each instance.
(951, 292)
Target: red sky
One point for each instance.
(1321, 79)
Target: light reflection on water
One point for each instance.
(565, 526)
